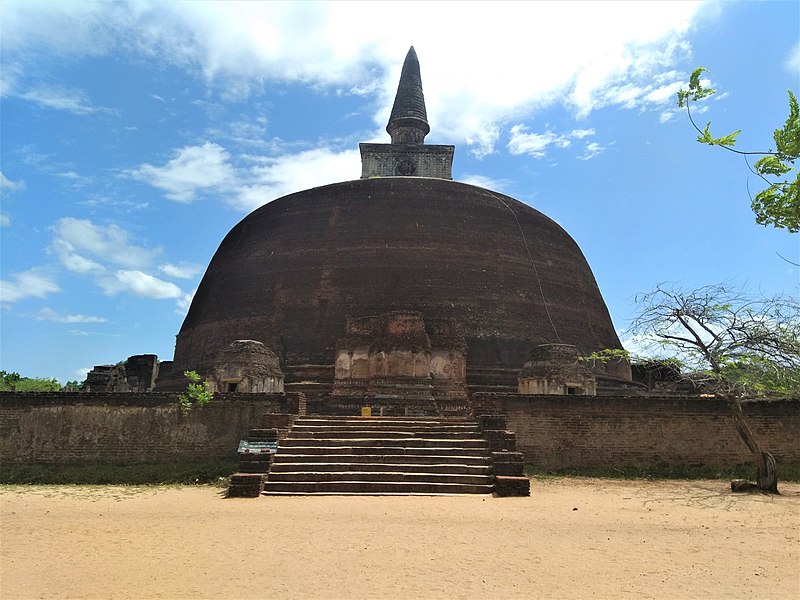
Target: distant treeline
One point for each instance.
(14, 382)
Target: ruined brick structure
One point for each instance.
(400, 355)
(302, 272)
(136, 374)
(246, 366)
(556, 369)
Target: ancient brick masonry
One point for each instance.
(254, 463)
(246, 366)
(136, 374)
(560, 432)
(508, 464)
(401, 355)
(132, 428)
(403, 238)
(553, 432)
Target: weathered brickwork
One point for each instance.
(131, 428)
(551, 431)
(574, 431)
(391, 160)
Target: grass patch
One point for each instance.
(184, 472)
(787, 471)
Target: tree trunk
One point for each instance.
(767, 474)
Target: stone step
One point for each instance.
(404, 423)
(374, 487)
(254, 467)
(379, 442)
(311, 448)
(478, 459)
(380, 476)
(380, 421)
(336, 433)
(380, 466)
(382, 455)
(367, 425)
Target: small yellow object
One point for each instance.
(366, 411)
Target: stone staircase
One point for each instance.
(382, 455)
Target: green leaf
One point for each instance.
(779, 206)
(770, 165)
(787, 140)
(696, 90)
(705, 137)
(728, 140)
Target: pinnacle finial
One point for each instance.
(408, 123)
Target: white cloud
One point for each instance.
(537, 144)
(13, 84)
(7, 186)
(592, 150)
(665, 93)
(74, 238)
(255, 182)
(481, 138)
(292, 173)
(579, 134)
(98, 251)
(80, 374)
(140, 284)
(29, 284)
(72, 261)
(181, 271)
(250, 132)
(184, 302)
(532, 144)
(667, 116)
(192, 169)
(59, 98)
(340, 45)
(498, 185)
(76, 179)
(48, 314)
(793, 60)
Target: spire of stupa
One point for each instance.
(408, 123)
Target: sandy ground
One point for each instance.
(573, 538)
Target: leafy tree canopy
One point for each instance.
(735, 344)
(13, 382)
(779, 203)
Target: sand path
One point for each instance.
(625, 540)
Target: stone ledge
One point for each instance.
(512, 486)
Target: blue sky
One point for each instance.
(134, 135)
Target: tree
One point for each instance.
(733, 345)
(197, 392)
(13, 382)
(779, 203)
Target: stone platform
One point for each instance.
(382, 455)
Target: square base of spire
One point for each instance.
(406, 160)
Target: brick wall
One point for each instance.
(129, 428)
(593, 431)
(552, 431)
